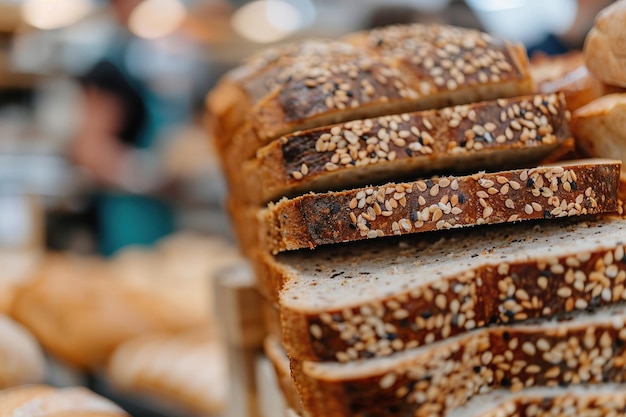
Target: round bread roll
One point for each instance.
(17, 269)
(21, 358)
(186, 371)
(44, 401)
(605, 45)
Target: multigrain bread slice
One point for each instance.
(568, 189)
(467, 138)
(430, 381)
(391, 70)
(359, 301)
(583, 400)
(600, 127)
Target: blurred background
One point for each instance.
(103, 152)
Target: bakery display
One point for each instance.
(350, 163)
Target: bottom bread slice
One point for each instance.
(602, 400)
(278, 357)
(433, 380)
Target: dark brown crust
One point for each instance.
(437, 380)
(368, 82)
(527, 128)
(493, 294)
(280, 362)
(437, 204)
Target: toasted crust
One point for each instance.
(280, 362)
(243, 87)
(462, 138)
(419, 307)
(424, 382)
(605, 45)
(445, 203)
(441, 66)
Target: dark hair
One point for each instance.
(108, 77)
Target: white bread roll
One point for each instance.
(21, 358)
(605, 46)
(44, 401)
(187, 371)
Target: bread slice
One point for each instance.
(428, 381)
(601, 399)
(567, 189)
(392, 70)
(600, 127)
(359, 301)
(488, 135)
(586, 400)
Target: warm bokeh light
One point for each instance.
(266, 21)
(157, 18)
(54, 14)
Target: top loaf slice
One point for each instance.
(385, 71)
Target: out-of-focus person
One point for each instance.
(126, 112)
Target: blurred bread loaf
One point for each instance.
(600, 127)
(605, 45)
(21, 358)
(44, 401)
(187, 370)
(79, 315)
(568, 74)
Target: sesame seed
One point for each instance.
(316, 331)
(387, 381)
(528, 209)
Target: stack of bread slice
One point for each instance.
(414, 231)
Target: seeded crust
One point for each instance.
(455, 139)
(568, 189)
(442, 66)
(357, 302)
(590, 400)
(599, 400)
(590, 348)
(241, 88)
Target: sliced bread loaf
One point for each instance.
(360, 301)
(567, 189)
(488, 135)
(583, 400)
(394, 70)
(430, 381)
(586, 400)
